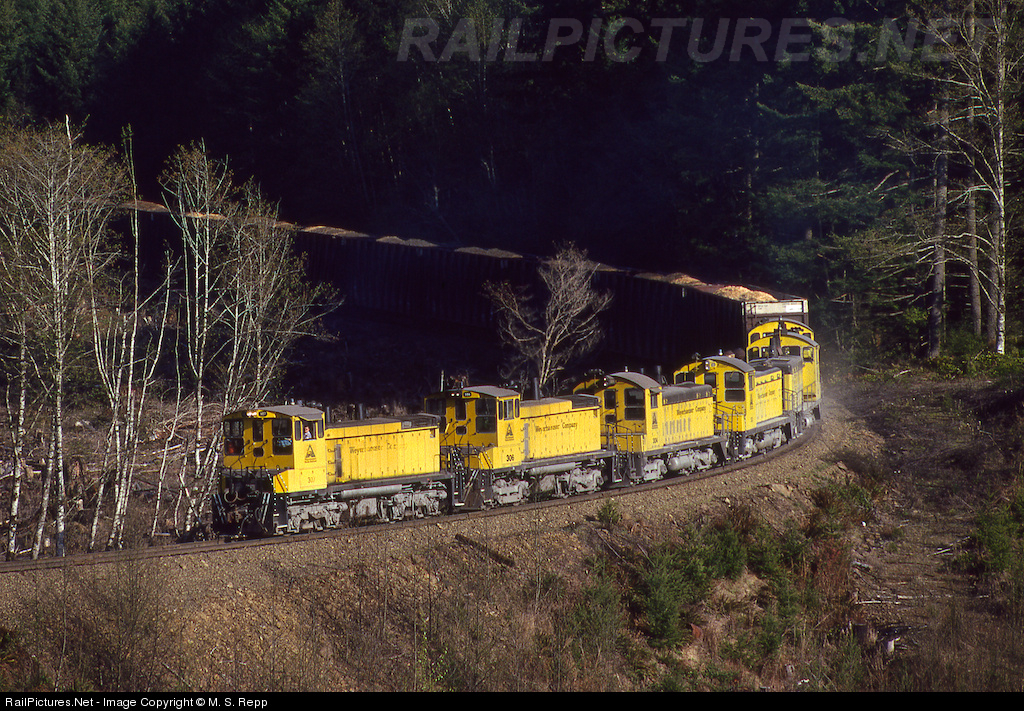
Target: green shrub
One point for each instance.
(794, 547)
(596, 619)
(765, 555)
(769, 638)
(995, 535)
(968, 356)
(609, 514)
(675, 576)
(662, 604)
(678, 680)
(726, 555)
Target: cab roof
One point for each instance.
(800, 338)
(638, 379)
(731, 362)
(491, 391)
(305, 413)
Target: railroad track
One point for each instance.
(179, 549)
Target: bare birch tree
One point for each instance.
(982, 49)
(245, 298)
(59, 196)
(200, 195)
(15, 333)
(270, 305)
(127, 355)
(545, 338)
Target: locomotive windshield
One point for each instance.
(734, 391)
(635, 404)
(281, 431)
(486, 409)
(234, 436)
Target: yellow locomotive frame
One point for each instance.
(503, 449)
(654, 429)
(283, 469)
(748, 402)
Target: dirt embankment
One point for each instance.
(353, 612)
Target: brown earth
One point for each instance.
(354, 612)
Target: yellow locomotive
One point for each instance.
(285, 470)
(503, 450)
(654, 429)
(748, 403)
(795, 342)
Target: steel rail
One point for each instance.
(195, 548)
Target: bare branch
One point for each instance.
(545, 339)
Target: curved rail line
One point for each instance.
(107, 557)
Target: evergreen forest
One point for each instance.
(860, 154)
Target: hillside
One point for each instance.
(884, 500)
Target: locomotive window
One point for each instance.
(304, 429)
(734, 391)
(609, 400)
(809, 354)
(733, 379)
(234, 437)
(507, 409)
(711, 379)
(654, 400)
(485, 415)
(635, 404)
(687, 377)
(257, 430)
(280, 430)
(460, 410)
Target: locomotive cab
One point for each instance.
(484, 422)
(269, 454)
(657, 428)
(788, 344)
(630, 405)
(285, 443)
(748, 402)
